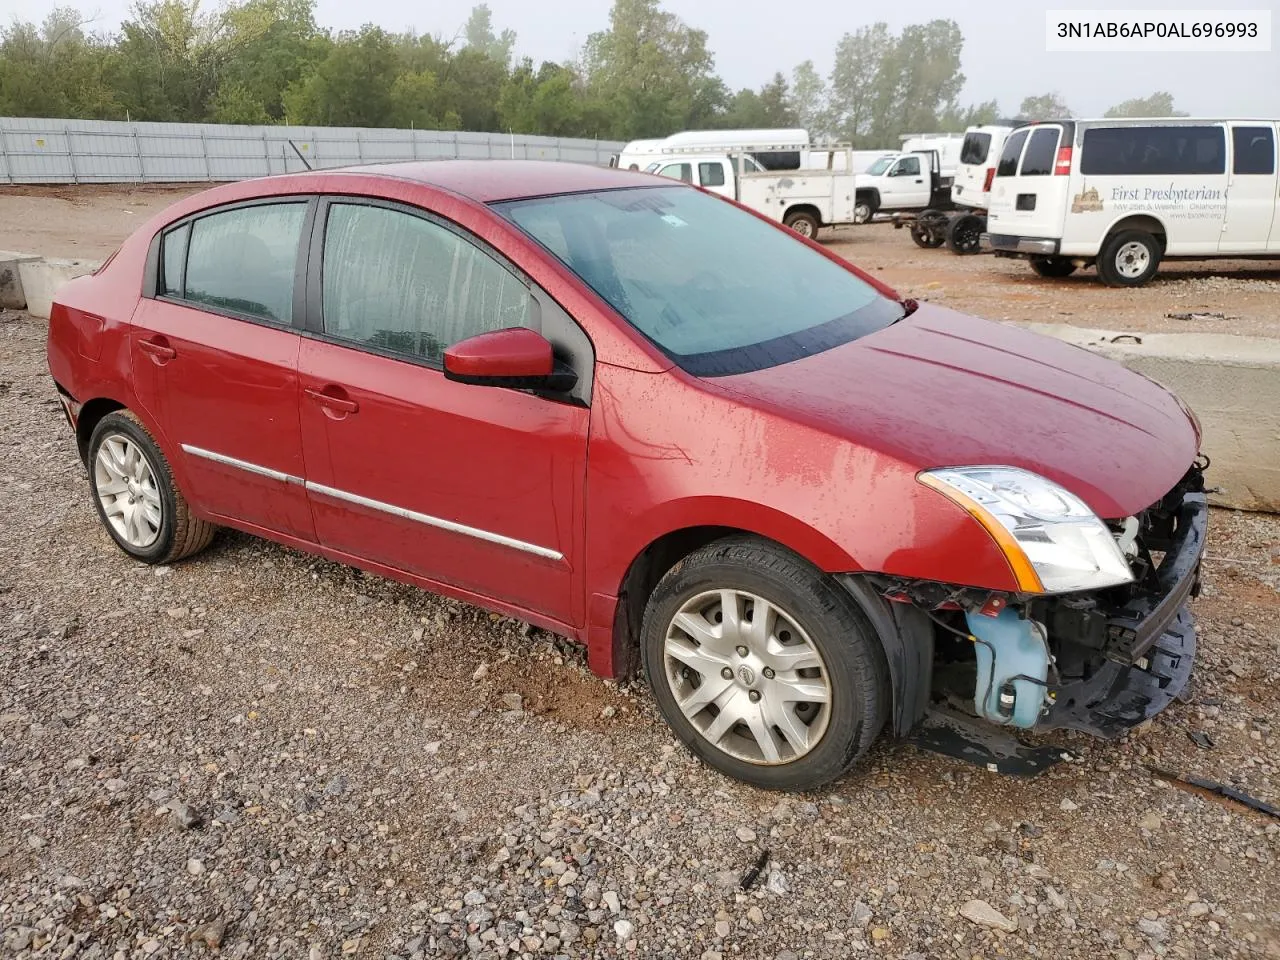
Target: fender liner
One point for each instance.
(906, 634)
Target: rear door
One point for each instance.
(1029, 191)
(215, 359)
(1251, 189)
(976, 169)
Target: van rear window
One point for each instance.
(1153, 151)
(975, 148)
(1041, 152)
(1008, 165)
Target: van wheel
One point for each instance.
(137, 500)
(964, 234)
(805, 224)
(1129, 259)
(1053, 267)
(763, 666)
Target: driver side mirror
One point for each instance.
(516, 357)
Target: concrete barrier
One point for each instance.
(1233, 385)
(41, 278)
(11, 294)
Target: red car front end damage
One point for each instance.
(906, 507)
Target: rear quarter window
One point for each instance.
(975, 148)
(1154, 151)
(1008, 165)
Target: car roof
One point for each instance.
(490, 181)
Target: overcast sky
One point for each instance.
(1004, 50)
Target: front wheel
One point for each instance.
(137, 500)
(803, 223)
(763, 666)
(863, 210)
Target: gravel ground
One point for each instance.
(270, 755)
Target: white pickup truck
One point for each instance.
(804, 200)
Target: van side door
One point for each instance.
(1251, 189)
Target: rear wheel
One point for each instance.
(1129, 259)
(929, 229)
(863, 210)
(137, 500)
(964, 234)
(803, 223)
(1053, 267)
(763, 666)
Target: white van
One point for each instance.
(971, 187)
(1125, 194)
(644, 154)
(637, 155)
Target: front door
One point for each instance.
(476, 487)
(906, 185)
(215, 362)
(1251, 189)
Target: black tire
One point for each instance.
(180, 533)
(929, 229)
(1053, 267)
(864, 208)
(803, 223)
(1129, 259)
(964, 234)
(853, 658)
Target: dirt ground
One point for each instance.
(1222, 296)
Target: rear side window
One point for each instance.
(711, 174)
(1041, 151)
(1254, 149)
(1153, 151)
(175, 260)
(242, 261)
(1008, 165)
(975, 148)
(404, 284)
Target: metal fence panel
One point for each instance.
(43, 150)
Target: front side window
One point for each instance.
(678, 171)
(975, 148)
(711, 174)
(1154, 151)
(407, 285)
(880, 166)
(242, 261)
(1254, 149)
(717, 290)
(1008, 165)
(908, 167)
(1041, 152)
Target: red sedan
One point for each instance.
(641, 417)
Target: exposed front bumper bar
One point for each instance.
(1006, 243)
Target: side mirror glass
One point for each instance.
(516, 357)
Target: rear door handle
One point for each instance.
(159, 350)
(331, 401)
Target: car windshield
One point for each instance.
(718, 290)
(880, 166)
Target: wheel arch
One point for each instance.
(870, 194)
(808, 208)
(91, 414)
(1146, 222)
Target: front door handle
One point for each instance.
(158, 349)
(332, 401)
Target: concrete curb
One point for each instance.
(11, 292)
(42, 276)
(1233, 385)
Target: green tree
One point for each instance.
(859, 68)
(351, 86)
(955, 118)
(1046, 106)
(55, 70)
(546, 103)
(651, 72)
(1159, 104)
(808, 100)
(273, 44)
(480, 37)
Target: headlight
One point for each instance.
(1052, 540)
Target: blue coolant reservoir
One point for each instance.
(1009, 647)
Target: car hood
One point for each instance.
(940, 388)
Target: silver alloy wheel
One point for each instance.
(1132, 260)
(747, 677)
(126, 487)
